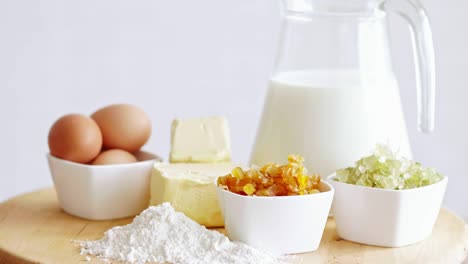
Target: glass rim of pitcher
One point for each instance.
(378, 11)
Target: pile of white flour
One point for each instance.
(162, 235)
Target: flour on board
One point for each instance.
(162, 235)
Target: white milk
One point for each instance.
(332, 118)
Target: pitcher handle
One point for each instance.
(423, 47)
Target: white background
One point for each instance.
(189, 58)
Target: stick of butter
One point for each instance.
(200, 140)
(191, 189)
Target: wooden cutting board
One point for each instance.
(33, 229)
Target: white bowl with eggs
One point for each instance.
(277, 224)
(383, 217)
(103, 192)
(96, 164)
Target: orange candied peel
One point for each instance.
(272, 180)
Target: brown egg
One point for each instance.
(114, 156)
(123, 126)
(75, 138)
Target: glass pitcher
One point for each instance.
(333, 95)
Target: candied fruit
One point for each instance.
(272, 180)
(249, 189)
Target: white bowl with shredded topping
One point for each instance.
(385, 217)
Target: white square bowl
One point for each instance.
(279, 225)
(102, 192)
(387, 218)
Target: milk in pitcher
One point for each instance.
(330, 117)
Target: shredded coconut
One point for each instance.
(162, 235)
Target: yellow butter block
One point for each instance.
(190, 188)
(200, 140)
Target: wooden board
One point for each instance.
(33, 229)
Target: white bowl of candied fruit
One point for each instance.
(277, 208)
(386, 200)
